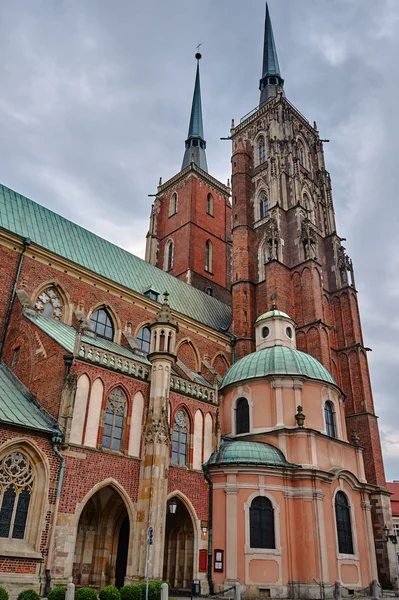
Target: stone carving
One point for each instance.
(272, 239)
(345, 265)
(309, 239)
(157, 430)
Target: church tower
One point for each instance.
(286, 250)
(190, 223)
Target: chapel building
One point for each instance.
(217, 392)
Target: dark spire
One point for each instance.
(195, 143)
(271, 77)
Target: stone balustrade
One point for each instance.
(104, 358)
(190, 388)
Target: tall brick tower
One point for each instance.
(190, 223)
(286, 251)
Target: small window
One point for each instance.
(288, 332)
(50, 304)
(169, 255)
(15, 356)
(101, 324)
(17, 474)
(265, 332)
(261, 523)
(242, 416)
(173, 204)
(152, 295)
(208, 256)
(273, 80)
(209, 204)
(343, 521)
(301, 153)
(179, 441)
(114, 419)
(263, 206)
(261, 150)
(144, 338)
(209, 291)
(330, 419)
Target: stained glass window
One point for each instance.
(261, 523)
(114, 419)
(344, 528)
(16, 482)
(49, 303)
(179, 441)
(101, 324)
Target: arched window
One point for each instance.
(343, 521)
(101, 324)
(173, 204)
(242, 416)
(263, 205)
(50, 304)
(16, 484)
(169, 255)
(330, 419)
(301, 153)
(209, 204)
(179, 441)
(208, 256)
(144, 338)
(114, 419)
(261, 150)
(261, 523)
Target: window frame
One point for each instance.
(261, 150)
(178, 430)
(106, 325)
(169, 255)
(263, 205)
(330, 422)
(209, 204)
(141, 339)
(113, 425)
(208, 256)
(350, 516)
(257, 528)
(173, 204)
(235, 414)
(272, 552)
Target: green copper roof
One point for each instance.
(51, 231)
(195, 143)
(270, 66)
(17, 407)
(272, 313)
(238, 452)
(65, 336)
(278, 360)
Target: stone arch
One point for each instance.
(106, 504)
(94, 413)
(220, 363)
(80, 409)
(113, 316)
(189, 355)
(63, 295)
(39, 500)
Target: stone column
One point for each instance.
(231, 529)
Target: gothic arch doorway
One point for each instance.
(102, 541)
(179, 547)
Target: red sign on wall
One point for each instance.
(203, 561)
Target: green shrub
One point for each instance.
(57, 593)
(130, 592)
(154, 590)
(28, 595)
(3, 594)
(86, 593)
(110, 592)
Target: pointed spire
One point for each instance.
(271, 77)
(195, 143)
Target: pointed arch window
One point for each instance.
(173, 204)
(208, 256)
(144, 339)
(261, 523)
(16, 484)
(242, 416)
(343, 522)
(114, 419)
(329, 415)
(50, 304)
(263, 205)
(261, 150)
(301, 153)
(209, 204)
(101, 324)
(179, 440)
(169, 255)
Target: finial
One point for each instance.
(273, 299)
(300, 417)
(228, 183)
(232, 124)
(198, 55)
(165, 297)
(160, 181)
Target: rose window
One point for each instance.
(50, 304)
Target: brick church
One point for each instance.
(218, 391)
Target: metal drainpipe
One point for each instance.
(56, 440)
(26, 243)
(210, 510)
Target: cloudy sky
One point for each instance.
(94, 107)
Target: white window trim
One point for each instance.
(355, 555)
(272, 552)
(233, 414)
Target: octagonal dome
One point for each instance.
(277, 360)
